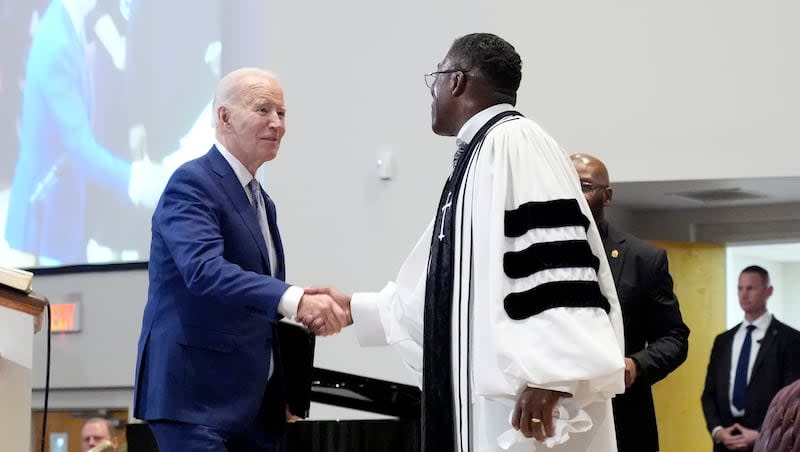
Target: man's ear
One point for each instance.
(609, 194)
(458, 83)
(223, 116)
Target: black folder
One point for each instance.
(297, 357)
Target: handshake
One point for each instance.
(324, 311)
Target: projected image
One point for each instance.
(102, 101)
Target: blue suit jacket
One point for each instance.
(208, 327)
(56, 137)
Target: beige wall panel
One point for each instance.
(699, 274)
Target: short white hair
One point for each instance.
(231, 86)
(99, 420)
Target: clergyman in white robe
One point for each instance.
(517, 171)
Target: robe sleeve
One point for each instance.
(554, 319)
(394, 316)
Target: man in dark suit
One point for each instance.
(749, 364)
(209, 374)
(656, 339)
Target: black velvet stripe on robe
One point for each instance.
(546, 256)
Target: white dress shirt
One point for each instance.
(761, 324)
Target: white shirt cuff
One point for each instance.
(714, 432)
(290, 300)
(365, 308)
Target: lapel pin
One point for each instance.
(614, 254)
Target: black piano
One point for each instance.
(403, 402)
(401, 434)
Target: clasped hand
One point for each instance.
(533, 413)
(736, 437)
(324, 311)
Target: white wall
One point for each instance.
(663, 90)
(103, 353)
(659, 90)
(791, 308)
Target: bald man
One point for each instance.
(656, 339)
(209, 375)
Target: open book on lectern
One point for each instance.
(16, 278)
(15, 293)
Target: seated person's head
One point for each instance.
(95, 431)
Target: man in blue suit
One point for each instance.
(59, 153)
(208, 375)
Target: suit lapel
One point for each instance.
(272, 217)
(616, 252)
(766, 345)
(725, 369)
(241, 203)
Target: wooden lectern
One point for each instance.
(19, 313)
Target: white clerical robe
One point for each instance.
(578, 350)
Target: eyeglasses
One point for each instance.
(431, 76)
(588, 187)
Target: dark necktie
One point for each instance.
(261, 214)
(255, 193)
(257, 201)
(740, 380)
(459, 152)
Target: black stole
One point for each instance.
(438, 418)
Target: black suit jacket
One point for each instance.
(777, 365)
(655, 335)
